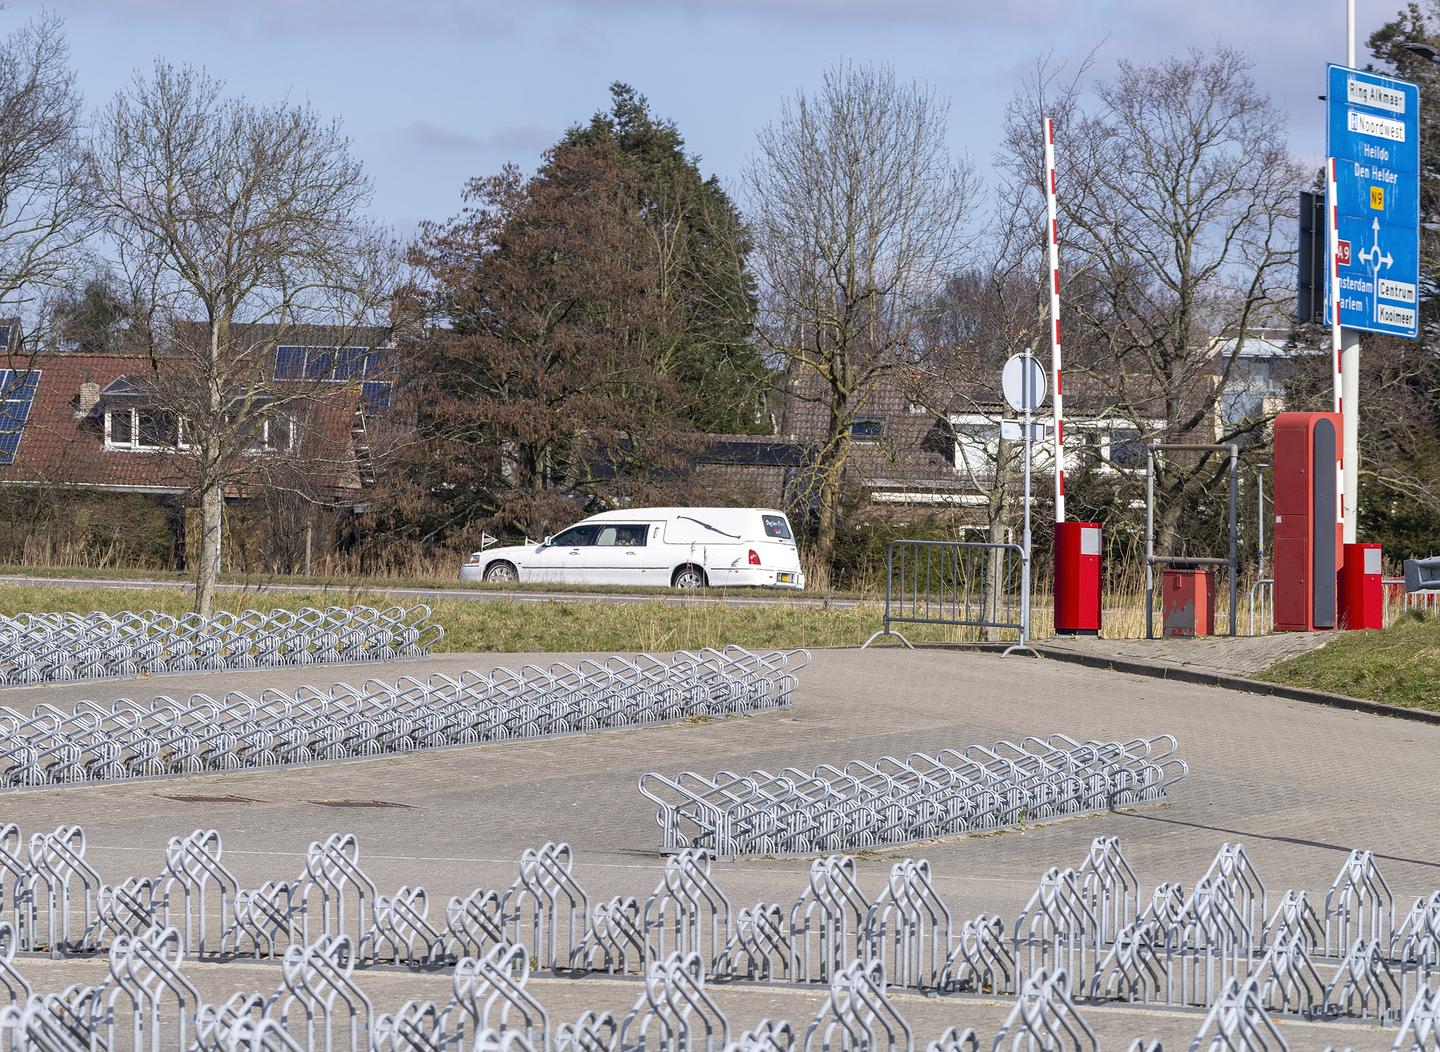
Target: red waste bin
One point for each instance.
(1077, 578)
(1187, 601)
(1362, 592)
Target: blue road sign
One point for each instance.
(1374, 136)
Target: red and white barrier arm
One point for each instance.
(1055, 378)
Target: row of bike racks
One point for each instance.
(867, 804)
(59, 647)
(107, 742)
(1089, 935)
(147, 1003)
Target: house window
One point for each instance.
(273, 433)
(155, 429)
(977, 447)
(1127, 449)
(142, 429)
(867, 429)
(119, 428)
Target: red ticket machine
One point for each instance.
(1362, 592)
(1077, 578)
(1309, 546)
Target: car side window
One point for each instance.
(575, 537)
(621, 537)
(777, 527)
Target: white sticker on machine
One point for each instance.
(1090, 540)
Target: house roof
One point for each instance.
(60, 444)
(751, 451)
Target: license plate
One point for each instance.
(785, 578)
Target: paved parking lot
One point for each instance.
(1299, 785)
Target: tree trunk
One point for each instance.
(1167, 522)
(212, 508)
(828, 517)
(994, 585)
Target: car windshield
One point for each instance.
(621, 536)
(777, 527)
(575, 537)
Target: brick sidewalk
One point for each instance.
(1223, 655)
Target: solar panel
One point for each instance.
(289, 363)
(376, 396)
(17, 395)
(377, 364)
(320, 363)
(350, 364)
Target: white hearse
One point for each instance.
(662, 547)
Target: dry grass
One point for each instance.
(553, 625)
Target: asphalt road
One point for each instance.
(667, 596)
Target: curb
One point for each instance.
(1241, 683)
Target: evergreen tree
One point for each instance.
(1390, 45)
(699, 248)
(1400, 379)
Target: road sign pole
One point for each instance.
(1350, 429)
(1026, 538)
(1023, 382)
(1350, 33)
(1349, 368)
(1337, 334)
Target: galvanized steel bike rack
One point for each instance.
(1044, 1017)
(866, 804)
(48, 648)
(100, 743)
(1215, 947)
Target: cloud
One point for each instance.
(517, 138)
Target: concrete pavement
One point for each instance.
(1299, 785)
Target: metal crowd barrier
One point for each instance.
(47, 648)
(94, 742)
(963, 583)
(866, 804)
(1088, 936)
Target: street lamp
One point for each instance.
(1425, 51)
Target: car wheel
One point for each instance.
(689, 577)
(501, 573)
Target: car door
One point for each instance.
(562, 561)
(618, 555)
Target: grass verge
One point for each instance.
(551, 625)
(1397, 666)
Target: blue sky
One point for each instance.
(435, 91)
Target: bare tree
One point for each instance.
(1176, 192)
(236, 225)
(857, 208)
(46, 206)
